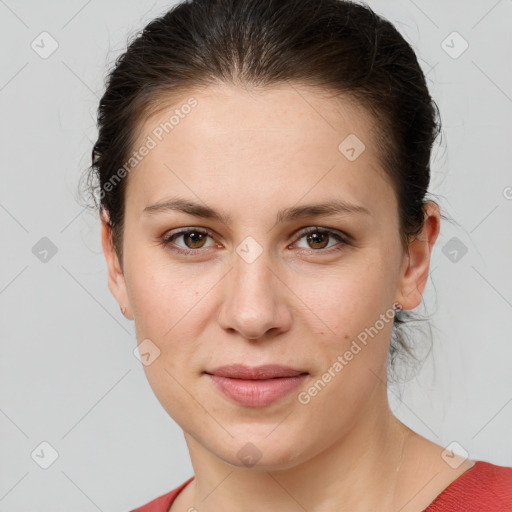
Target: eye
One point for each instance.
(193, 238)
(318, 239)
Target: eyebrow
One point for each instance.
(332, 207)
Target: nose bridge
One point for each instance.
(253, 277)
(253, 304)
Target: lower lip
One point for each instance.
(257, 393)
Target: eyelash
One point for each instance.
(167, 240)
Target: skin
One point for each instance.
(249, 154)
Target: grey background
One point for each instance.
(68, 373)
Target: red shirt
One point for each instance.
(482, 488)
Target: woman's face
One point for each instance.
(254, 288)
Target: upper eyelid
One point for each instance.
(184, 231)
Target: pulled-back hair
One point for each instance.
(335, 46)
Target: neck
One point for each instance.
(359, 471)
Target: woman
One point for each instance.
(262, 170)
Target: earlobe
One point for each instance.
(116, 280)
(416, 264)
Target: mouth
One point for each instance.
(256, 386)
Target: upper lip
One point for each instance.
(267, 371)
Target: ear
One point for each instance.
(416, 263)
(116, 281)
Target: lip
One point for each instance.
(256, 386)
(267, 371)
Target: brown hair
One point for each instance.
(332, 45)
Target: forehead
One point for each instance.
(276, 145)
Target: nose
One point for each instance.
(256, 300)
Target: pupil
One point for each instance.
(313, 238)
(194, 235)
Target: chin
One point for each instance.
(261, 451)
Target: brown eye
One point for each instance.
(194, 239)
(318, 240)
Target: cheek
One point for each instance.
(168, 310)
(353, 317)
(166, 299)
(176, 393)
(343, 303)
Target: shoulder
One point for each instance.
(484, 487)
(162, 503)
